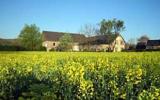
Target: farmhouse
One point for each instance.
(153, 44)
(110, 42)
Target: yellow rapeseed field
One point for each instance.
(79, 75)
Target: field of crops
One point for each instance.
(79, 76)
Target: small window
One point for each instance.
(53, 44)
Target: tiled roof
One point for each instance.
(55, 36)
(101, 39)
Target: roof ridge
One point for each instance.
(61, 32)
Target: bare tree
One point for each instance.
(131, 44)
(88, 29)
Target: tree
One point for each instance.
(30, 37)
(102, 27)
(118, 25)
(143, 39)
(111, 26)
(88, 29)
(65, 42)
(106, 27)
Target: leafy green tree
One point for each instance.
(106, 27)
(111, 26)
(30, 37)
(102, 27)
(66, 42)
(118, 25)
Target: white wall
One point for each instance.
(119, 44)
(75, 47)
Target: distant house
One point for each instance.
(153, 44)
(110, 42)
(51, 40)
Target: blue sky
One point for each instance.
(140, 16)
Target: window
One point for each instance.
(53, 44)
